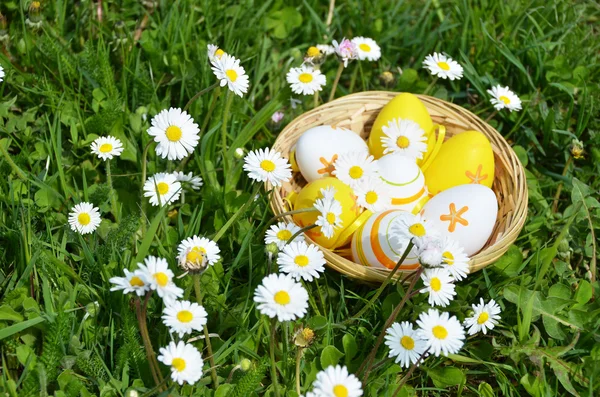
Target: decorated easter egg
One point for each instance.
(467, 213)
(319, 147)
(466, 158)
(405, 181)
(373, 247)
(350, 211)
(403, 106)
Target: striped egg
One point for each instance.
(371, 245)
(405, 180)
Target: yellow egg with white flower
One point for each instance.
(405, 181)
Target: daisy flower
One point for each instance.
(314, 56)
(367, 48)
(326, 49)
(305, 80)
(301, 261)
(282, 297)
(175, 132)
(442, 333)
(430, 251)
(183, 317)
(440, 286)
(443, 66)
(405, 137)
(162, 189)
(346, 51)
(228, 70)
(195, 182)
(106, 147)
(1, 73)
(337, 382)
(456, 260)
(405, 343)
(157, 274)
(84, 218)
(214, 52)
(329, 218)
(407, 226)
(132, 282)
(185, 362)
(267, 165)
(373, 194)
(485, 316)
(503, 97)
(352, 167)
(193, 247)
(281, 233)
(328, 193)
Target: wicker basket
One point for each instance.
(357, 112)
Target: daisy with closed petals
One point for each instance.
(193, 247)
(405, 137)
(440, 286)
(337, 382)
(162, 189)
(231, 74)
(195, 182)
(367, 48)
(183, 317)
(504, 98)
(443, 66)
(346, 51)
(282, 297)
(214, 52)
(405, 343)
(267, 166)
(305, 80)
(301, 261)
(107, 147)
(353, 167)
(175, 132)
(455, 259)
(281, 233)
(84, 218)
(132, 282)
(155, 272)
(373, 194)
(430, 252)
(185, 362)
(442, 333)
(329, 218)
(485, 316)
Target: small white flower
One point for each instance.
(337, 382)
(231, 74)
(281, 233)
(185, 362)
(503, 97)
(305, 80)
(328, 193)
(373, 194)
(282, 297)
(346, 51)
(367, 48)
(405, 137)
(106, 147)
(267, 165)
(326, 49)
(329, 218)
(183, 317)
(276, 117)
(301, 261)
(192, 248)
(405, 343)
(214, 52)
(456, 260)
(132, 282)
(195, 182)
(353, 167)
(157, 274)
(443, 334)
(443, 66)
(430, 251)
(440, 286)
(84, 218)
(407, 226)
(485, 316)
(162, 189)
(175, 132)
(1, 73)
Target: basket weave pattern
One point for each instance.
(357, 112)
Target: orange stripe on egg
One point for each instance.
(378, 250)
(408, 200)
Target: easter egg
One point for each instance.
(466, 213)
(466, 158)
(404, 106)
(372, 246)
(405, 181)
(350, 211)
(319, 147)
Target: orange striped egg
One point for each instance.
(371, 245)
(405, 180)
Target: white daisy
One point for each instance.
(106, 147)
(404, 136)
(267, 165)
(440, 286)
(162, 189)
(346, 51)
(195, 182)
(326, 49)
(84, 218)
(132, 282)
(305, 80)
(281, 233)
(301, 261)
(367, 48)
(456, 260)
(373, 194)
(183, 317)
(157, 274)
(228, 70)
(405, 343)
(503, 97)
(430, 251)
(193, 247)
(1, 73)
(175, 132)
(443, 66)
(329, 218)
(282, 297)
(353, 167)
(442, 333)
(485, 316)
(337, 382)
(407, 226)
(214, 52)
(185, 362)
(328, 193)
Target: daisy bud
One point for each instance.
(245, 364)
(272, 248)
(387, 78)
(239, 153)
(577, 149)
(431, 252)
(132, 393)
(304, 337)
(34, 15)
(314, 56)
(193, 261)
(92, 308)
(277, 117)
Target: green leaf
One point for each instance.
(150, 234)
(583, 293)
(330, 356)
(510, 262)
(521, 154)
(446, 376)
(283, 22)
(8, 313)
(317, 322)
(485, 390)
(13, 329)
(350, 347)
(223, 390)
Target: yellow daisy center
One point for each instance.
(305, 77)
(365, 47)
(194, 256)
(444, 65)
(407, 342)
(178, 364)
(135, 281)
(161, 278)
(403, 142)
(84, 218)
(355, 172)
(435, 284)
(312, 51)
(282, 298)
(440, 332)
(231, 75)
(371, 197)
(185, 316)
(504, 99)
(106, 148)
(417, 229)
(330, 217)
(267, 165)
(284, 235)
(483, 317)
(173, 133)
(35, 4)
(219, 53)
(301, 260)
(340, 391)
(448, 258)
(162, 188)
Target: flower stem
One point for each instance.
(272, 353)
(336, 81)
(560, 186)
(316, 99)
(228, 101)
(150, 356)
(113, 201)
(430, 86)
(213, 105)
(299, 232)
(491, 116)
(236, 215)
(142, 200)
(298, 361)
(410, 372)
(211, 358)
(199, 94)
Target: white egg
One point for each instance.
(319, 147)
(405, 180)
(467, 213)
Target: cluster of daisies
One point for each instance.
(182, 317)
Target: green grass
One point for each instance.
(62, 332)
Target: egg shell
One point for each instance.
(404, 106)
(405, 181)
(319, 147)
(350, 211)
(371, 245)
(463, 159)
(467, 213)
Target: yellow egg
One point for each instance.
(404, 106)
(466, 158)
(350, 211)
